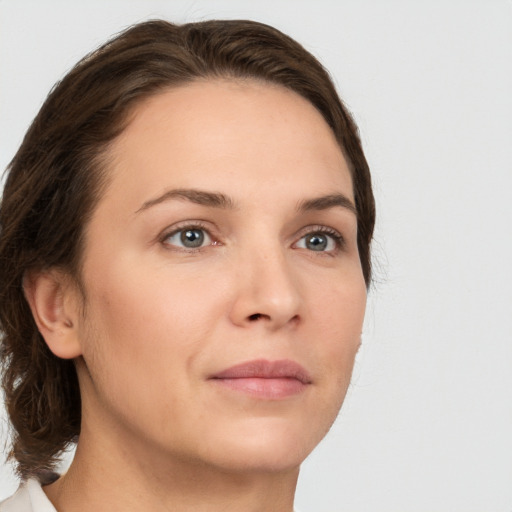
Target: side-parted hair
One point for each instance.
(59, 172)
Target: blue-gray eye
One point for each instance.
(189, 238)
(318, 242)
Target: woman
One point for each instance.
(185, 253)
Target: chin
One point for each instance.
(270, 445)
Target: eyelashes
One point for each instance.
(321, 239)
(196, 236)
(190, 237)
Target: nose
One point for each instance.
(267, 291)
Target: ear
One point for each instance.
(55, 308)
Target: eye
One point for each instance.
(320, 241)
(191, 237)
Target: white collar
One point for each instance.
(30, 497)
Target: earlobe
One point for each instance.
(54, 308)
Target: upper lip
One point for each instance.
(264, 369)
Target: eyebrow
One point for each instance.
(326, 202)
(212, 199)
(220, 200)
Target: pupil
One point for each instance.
(192, 238)
(316, 242)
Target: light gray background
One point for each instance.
(427, 425)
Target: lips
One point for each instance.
(265, 379)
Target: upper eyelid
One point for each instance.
(188, 224)
(335, 234)
(319, 228)
(181, 226)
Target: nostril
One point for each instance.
(256, 316)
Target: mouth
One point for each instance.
(271, 380)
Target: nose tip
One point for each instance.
(267, 294)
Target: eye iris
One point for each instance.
(192, 237)
(316, 242)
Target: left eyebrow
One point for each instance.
(326, 202)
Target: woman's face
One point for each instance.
(224, 296)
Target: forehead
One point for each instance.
(241, 135)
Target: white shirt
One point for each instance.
(30, 497)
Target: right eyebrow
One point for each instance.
(202, 197)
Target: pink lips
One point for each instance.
(265, 379)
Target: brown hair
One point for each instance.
(56, 178)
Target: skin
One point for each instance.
(159, 319)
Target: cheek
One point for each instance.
(339, 306)
(150, 316)
(143, 332)
(338, 317)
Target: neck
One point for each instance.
(123, 474)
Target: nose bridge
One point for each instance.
(268, 290)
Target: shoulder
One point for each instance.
(29, 497)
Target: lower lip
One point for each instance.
(264, 388)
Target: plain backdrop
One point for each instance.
(427, 424)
